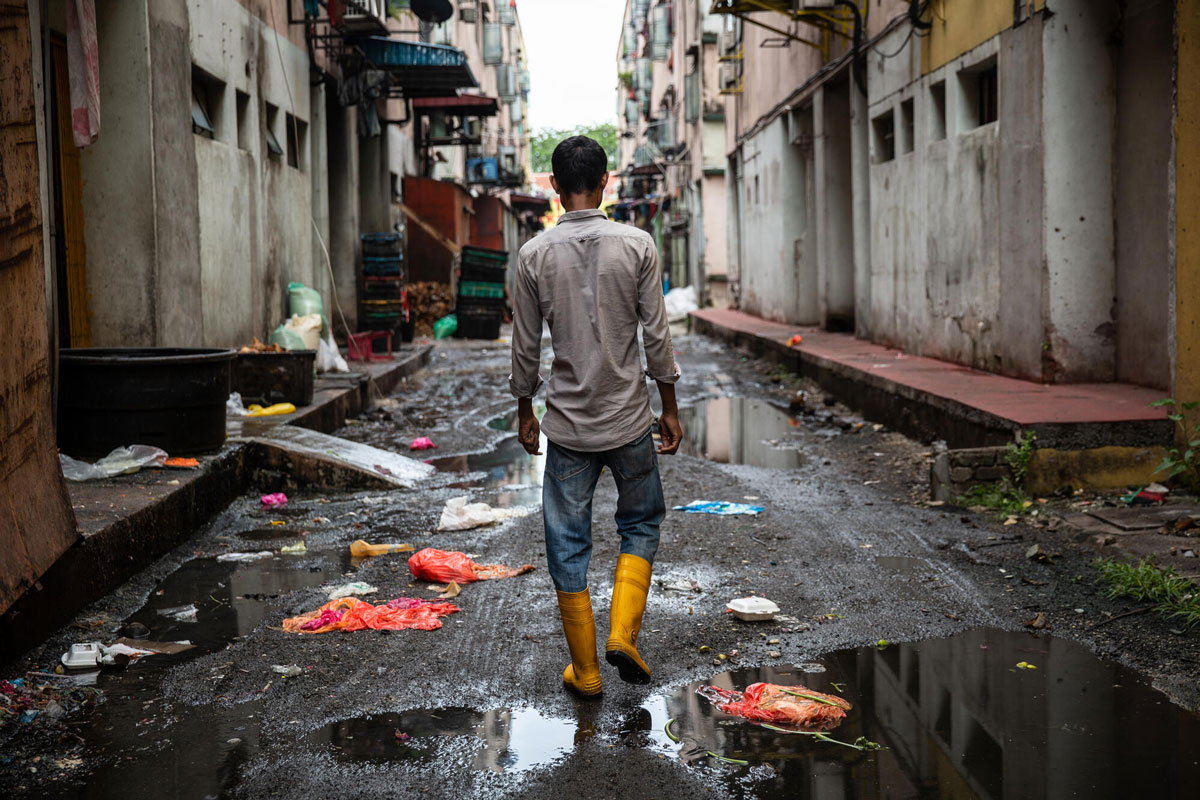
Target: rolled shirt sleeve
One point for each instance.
(652, 312)
(525, 379)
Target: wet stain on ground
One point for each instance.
(983, 714)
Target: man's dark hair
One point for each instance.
(579, 163)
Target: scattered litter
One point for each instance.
(273, 500)
(134, 630)
(180, 613)
(278, 522)
(351, 614)
(1036, 553)
(179, 462)
(460, 515)
(1150, 495)
(1037, 622)
(774, 654)
(234, 407)
(720, 508)
(82, 655)
(121, 461)
(255, 410)
(795, 340)
(882, 644)
(422, 443)
(753, 609)
(679, 302)
(1025, 665)
(358, 588)
(45, 695)
(769, 702)
(1189, 553)
(750, 497)
(287, 670)
(682, 585)
(451, 589)
(812, 667)
(360, 549)
(441, 566)
(155, 648)
(245, 556)
(299, 548)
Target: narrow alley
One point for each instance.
(846, 547)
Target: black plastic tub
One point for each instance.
(168, 397)
(269, 378)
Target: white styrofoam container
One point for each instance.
(753, 609)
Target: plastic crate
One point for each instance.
(474, 273)
(479, 326)
(483, 255)
(378, 266)
(268, 378)
(481, 289)
(480, 305)
(383, 51)
(387, 245)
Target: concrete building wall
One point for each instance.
(1144, 194)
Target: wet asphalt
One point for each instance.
(845, 547)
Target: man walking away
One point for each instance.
(594, 281)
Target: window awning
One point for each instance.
(529, 202)
(463, 105)
(418, 69)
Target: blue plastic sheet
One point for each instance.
(720, 508)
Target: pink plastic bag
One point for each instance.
(422, 443)
(274, 500)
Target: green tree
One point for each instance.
(543, 142)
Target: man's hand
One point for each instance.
(528, 431)
(670, 433)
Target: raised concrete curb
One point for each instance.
(127, 523)
(964, 407)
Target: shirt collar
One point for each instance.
(586, 213)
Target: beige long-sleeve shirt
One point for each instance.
(593, 281)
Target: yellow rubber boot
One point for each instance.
(630, 587)
(582, 675)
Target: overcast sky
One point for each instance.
(572, 54)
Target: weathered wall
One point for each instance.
(36, 521)
(777, 246)
(118, 176)
(1079, 140)
(1186, 365)
(1143, 192)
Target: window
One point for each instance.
(244, 129)
(937, 111)
(272, 118)
(296, 135)
(493, 45)
(883, 133)
(979, 96)
(907, 129)
(691, 96)
(207, 95)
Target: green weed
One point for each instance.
(1003, 498)
(1018, 453)
(1175, 596)
(1183, 465)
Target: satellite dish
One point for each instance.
(432, 10)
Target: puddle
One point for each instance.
(231, 598)
(499, 741)
(507, 467)
(957, 719)
(737, 430)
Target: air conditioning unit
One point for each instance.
(438, 129)
(728, 44)
(467, 11)
(474, 128)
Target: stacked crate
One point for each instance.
(480, 304)
(383, 293)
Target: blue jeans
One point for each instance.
(567, 491)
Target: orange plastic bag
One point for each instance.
(443, 566)
(361, 549)
(791, 705)
(352, 614)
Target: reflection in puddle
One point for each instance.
(231, 598)
(507, 466)
(735, 430)
(506, 741)
(957, 719)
